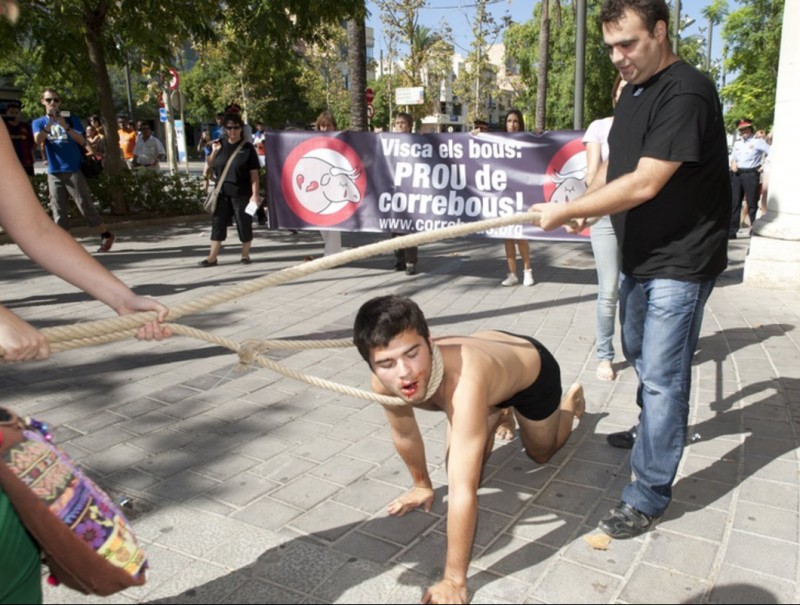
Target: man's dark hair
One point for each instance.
(405, 116)
(649, 11)
(381, 319)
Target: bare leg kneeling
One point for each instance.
(543, 438)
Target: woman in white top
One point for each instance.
(604, 245)
(516, 123)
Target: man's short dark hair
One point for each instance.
(381, 319)
(402, 115)
(649, 11)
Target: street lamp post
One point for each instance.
(676, 26)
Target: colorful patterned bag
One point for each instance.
(86, 541)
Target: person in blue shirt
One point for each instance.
(64, 143)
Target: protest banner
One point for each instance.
(407, 183)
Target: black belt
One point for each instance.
(746, 170)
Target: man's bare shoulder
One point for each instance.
(493, 341)
(494, 364)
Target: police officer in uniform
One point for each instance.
(747, 156)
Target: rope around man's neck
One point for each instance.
(437, 372)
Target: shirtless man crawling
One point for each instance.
(483, 374)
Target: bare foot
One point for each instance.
(506, 425)
(605, 371)
(574, 400)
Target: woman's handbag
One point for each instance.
(210, 204)
(86, 541)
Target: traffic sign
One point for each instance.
(162, 114)
(175, 80)
(177, 99)
(370, 110)
(370, 95)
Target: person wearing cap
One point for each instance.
(747, 157)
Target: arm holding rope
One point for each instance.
(623, 193)
(55, 250)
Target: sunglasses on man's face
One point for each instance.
(51, 100)
(232, 127)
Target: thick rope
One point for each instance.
(63, 338)
(84, 332)
(250, 351)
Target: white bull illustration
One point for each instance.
(570, 183)
(324, 181)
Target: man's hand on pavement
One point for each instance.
(445, 591)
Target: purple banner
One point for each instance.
(406, 183)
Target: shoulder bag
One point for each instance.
(210, 205)
(86, 541)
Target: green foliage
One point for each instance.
(475, 83)
(149, 192)
(752, 35)
(322, 76)
(522, 45)
(421, 57)
(382, 87)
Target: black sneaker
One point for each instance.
(624, 439)
(623, 522)
(411, 268)
(399, 266)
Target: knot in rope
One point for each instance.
(250, 350)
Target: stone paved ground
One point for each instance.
(248, 487)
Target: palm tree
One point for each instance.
(544, 58)
(357, 63)
(714, 12)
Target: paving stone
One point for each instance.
(298, 565)
(366, 547)
(567, 582)
(670, 586)
(766, 521)
(685, 554)
(737, 585)
(763, 555)
(342, 469)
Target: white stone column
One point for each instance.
(774, 257)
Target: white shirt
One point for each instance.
(147, 151)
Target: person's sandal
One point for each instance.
(207, 263)
(245, 260)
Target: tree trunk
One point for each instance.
(114, 164)
(541, 79)
(357, 62)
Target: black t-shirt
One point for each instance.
(237, 181)
(682, 233)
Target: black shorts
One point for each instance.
(543, 396)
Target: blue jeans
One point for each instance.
(661, 321)
(607, 260)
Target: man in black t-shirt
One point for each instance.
(666, 186)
